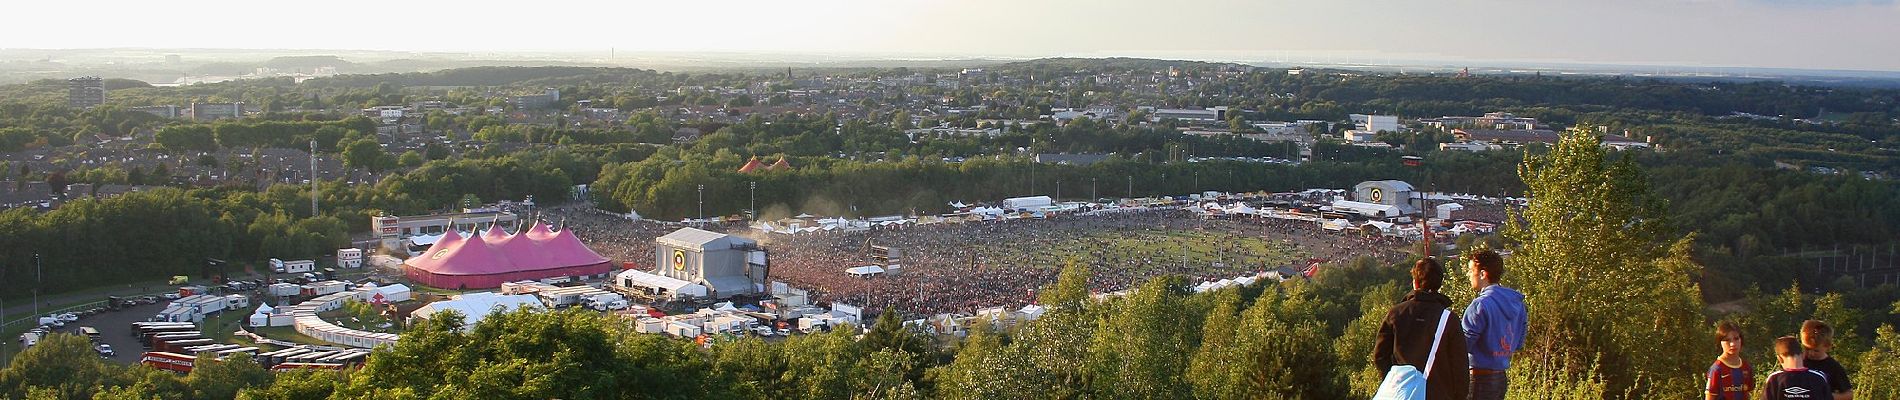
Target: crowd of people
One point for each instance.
(945, 268)
(963, 267)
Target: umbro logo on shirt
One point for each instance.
(1796, 392)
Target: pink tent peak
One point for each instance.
(497, 253)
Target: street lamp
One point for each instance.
(702, 204)
(1058, 190)
(36, 284)
(1131, 186)
(1093, 196)
(752, 207)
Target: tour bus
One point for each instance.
(90, 332)
(174, 362)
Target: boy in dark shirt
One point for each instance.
(1817, 338)
(1794, 381)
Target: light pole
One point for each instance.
(702, 204)
(36, 284)
(752, 206)
(1131, 186)
(1058, 190)
(1093, 196)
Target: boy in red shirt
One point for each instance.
(1731, 378)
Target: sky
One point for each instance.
(1812, 34)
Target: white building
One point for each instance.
(1375, 123)
(1360, 136)
(1469, 146)
(349, 258)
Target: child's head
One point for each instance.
(1730, 337)
(1428, 274)
(1816, 337)
(1788, 351)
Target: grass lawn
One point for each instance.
(223, 326)
(288, 334)
(367, 323)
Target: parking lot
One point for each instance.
(113, 329)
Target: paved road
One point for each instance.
(114, 329)
(21, 308)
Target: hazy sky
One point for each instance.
(1828, 34)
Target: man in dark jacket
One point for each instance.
(1405, 338)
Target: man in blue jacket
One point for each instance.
(1494, 326)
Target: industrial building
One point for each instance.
(425, 230)
(726, 264)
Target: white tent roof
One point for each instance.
(263, 309)
(642, 278)
(1356, 205)
(1032, 311)
(425, 240)
(730, 284)
(475, 306)
(864, 270)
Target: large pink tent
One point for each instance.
(488, 259)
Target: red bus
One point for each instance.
(174, 362)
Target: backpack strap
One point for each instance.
(1436, 337)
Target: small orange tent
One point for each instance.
(751, 165)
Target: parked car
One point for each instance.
(171, 296)
(105, 350)
(762, 331)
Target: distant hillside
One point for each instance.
(308, 62)
(475, 76)
(1112, 64)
